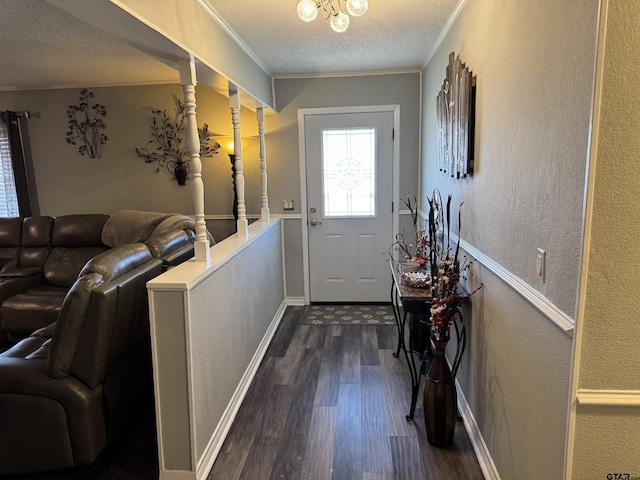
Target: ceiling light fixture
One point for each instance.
(308, 11)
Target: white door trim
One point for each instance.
(302, 113)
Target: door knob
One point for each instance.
(314, 222)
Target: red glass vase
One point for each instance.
(440, 407)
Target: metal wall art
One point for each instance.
(86, 125)
(455, 107)
(168, 147)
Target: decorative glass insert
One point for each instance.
(349, 172)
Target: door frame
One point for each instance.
(395, 182)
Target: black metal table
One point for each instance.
(415, 341)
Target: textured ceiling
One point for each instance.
(392, 35)
(42, 46)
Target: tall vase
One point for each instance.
(180, 172)
(440, 407)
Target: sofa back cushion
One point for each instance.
(75, 240)
(172, 247)
(69, 326)
(10, 231)
(35, 241)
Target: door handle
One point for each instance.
(314, 222)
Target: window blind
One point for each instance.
(8, 194)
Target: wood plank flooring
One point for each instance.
(329, 402)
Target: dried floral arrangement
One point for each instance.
(412, 248)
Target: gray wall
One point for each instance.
(295, 93)
(208, 334)
(534, 63)
(67, 182)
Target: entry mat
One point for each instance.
(351, 314)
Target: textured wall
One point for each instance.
(534, 63)
(607, 438)
(206, 330)
(67, 182)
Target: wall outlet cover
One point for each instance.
(287, 204)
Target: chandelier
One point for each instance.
(308, 11)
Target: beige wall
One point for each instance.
(607, 438)
(67, 182)
(534, 62)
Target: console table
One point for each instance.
(411, 309)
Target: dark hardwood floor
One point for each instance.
(326, 402)
(329, 402)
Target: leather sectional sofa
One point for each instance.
(40, 258)
(84, 361)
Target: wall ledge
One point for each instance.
(190, 273)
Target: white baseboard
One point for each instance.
(295, 301)
(489, 469)
(177, 475)
(205, 463)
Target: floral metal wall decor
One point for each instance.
(168, 146)
(86, 125)
(455, 108)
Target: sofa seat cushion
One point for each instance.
(23, 313)
(48, 290)
(10, 286)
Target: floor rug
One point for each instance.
(352, 314)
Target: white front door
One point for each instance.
(349, 165)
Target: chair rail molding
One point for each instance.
(608, 398)
(553, 313)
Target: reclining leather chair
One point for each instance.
(62, 390)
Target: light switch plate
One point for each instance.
(541, 266)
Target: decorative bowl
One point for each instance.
(416, 279)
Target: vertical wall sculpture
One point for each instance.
(264, 210)
(455, 108)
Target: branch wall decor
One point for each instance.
(168, 146)
(86, 125)
(455, 108)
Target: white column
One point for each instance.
(234, 104)
(264, 211)
(188, 82)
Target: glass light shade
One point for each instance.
(307, 10)
(339, 22)
(226, 143)
(357, 7)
